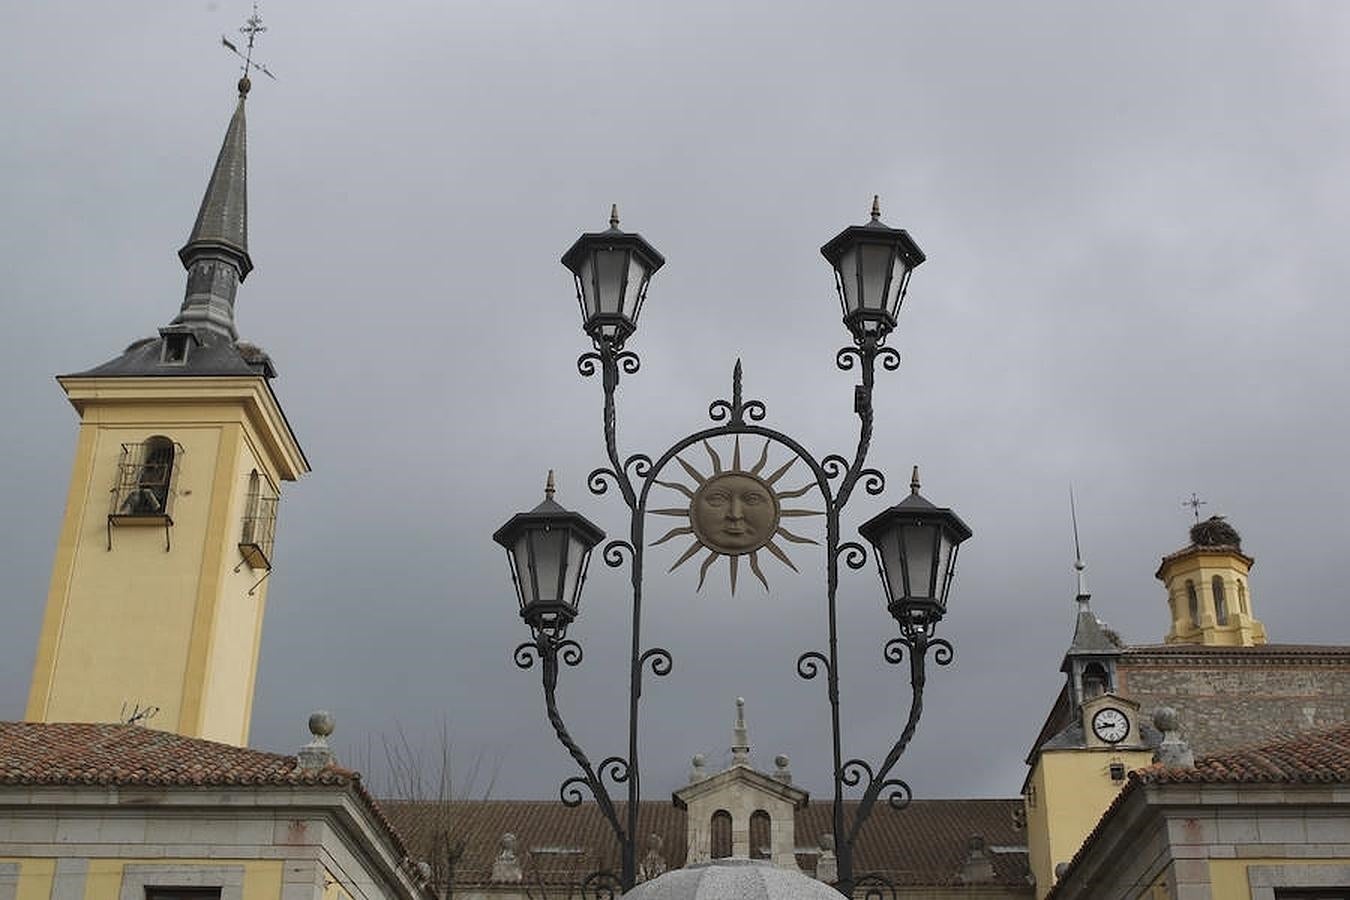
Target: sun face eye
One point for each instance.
(754, 498)
(715, 498)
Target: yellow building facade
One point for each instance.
(159, 584)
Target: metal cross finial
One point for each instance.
(251, 28)
(1194, 503)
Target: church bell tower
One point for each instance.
(159, 583)
(1207, 589)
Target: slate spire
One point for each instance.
(216, 253)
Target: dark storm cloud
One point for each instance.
(1133, 216)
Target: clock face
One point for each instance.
(1111, 725)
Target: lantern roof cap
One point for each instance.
(549, 512)
(873, 231)
(915, 504)
(615, 236)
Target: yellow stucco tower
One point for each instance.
(159, 584)
(1207, 590)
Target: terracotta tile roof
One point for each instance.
(75, 754)
(925, 844)
(1315, 757)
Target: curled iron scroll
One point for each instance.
(569, 651)
(847, 358)
(660, 660)
(615, 768)
(569, 792)
(640, 464)
(599, 479)
(614, 552)
(852, 554)
(719, 410)
(899, 795)
(890, 358)
(873, 481)
(851, 773)
(588, 363)
(894, 652)
(810, 664)
(630, 363)
(943, 652)
(526, 655)
(834, 466)
(754, 410)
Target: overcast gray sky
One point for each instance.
(1135, 217)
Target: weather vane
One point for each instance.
(251, 28)
(1194, 503)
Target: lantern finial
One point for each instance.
(876, 207)
(614, 215)
(913, 480)
(549, 486)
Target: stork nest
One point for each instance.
(1215, 532)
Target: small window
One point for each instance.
(761, 835)
(1193, 603)
(145, 479)
(1220, 601)
(721, 835)
(258, 529)
(175, 351)
(182, 893)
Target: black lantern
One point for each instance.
(548, 549)
(612, 269)
(872, 264)
(916, 544)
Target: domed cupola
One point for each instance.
(1208, 591)
(732, 879)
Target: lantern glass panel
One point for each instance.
(637, 275)
(876, 271)
(944, 549)
(919, 542)
(848, 279)
(520, 560)
(586, 281)
(576, 558)
(610, 269)
(548, 550)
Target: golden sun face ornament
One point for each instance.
(734, 513)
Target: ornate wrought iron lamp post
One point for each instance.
(736, 512)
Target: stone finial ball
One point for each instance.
(244, 86)
(827, 842)
(699, 760)
(508, 841)
(321, 723)
(1165, 719)
(781, 761)
(655, 841)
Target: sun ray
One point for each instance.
(795, 538)
(763, 458)
(734, 560)
(736, 454)
(780, 471)
(669, 512)
(675, 532)
(693, 473)
(716, 460)
(676, 486)
(788, 495)
(754, 567)
(802, 512)
(693, 548)
(703, 570)
(778, 552)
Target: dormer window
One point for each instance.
(175, 345)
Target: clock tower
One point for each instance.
(1092, 738)
(158, 588)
